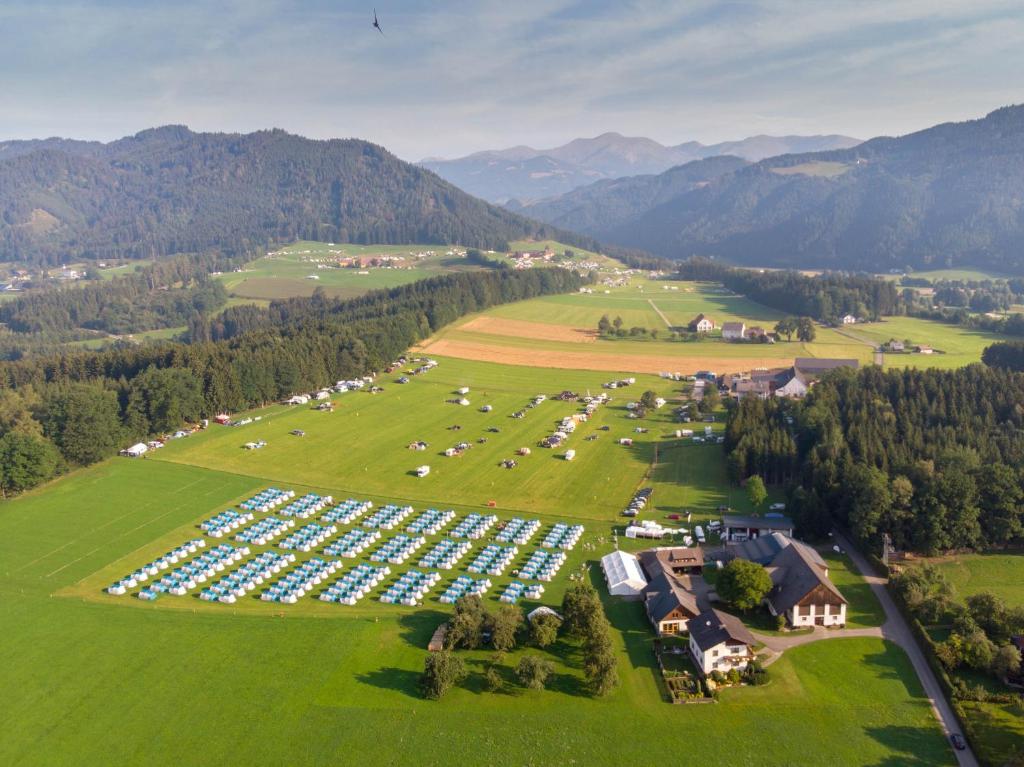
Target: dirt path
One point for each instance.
(661, 314)
(879, 356)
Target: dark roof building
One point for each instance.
(742, 526)
(670, 604)
(673, 559)
(802, 590)
(713, 627)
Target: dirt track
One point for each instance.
(626, 363)
(542, 331)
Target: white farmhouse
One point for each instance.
(720, 642)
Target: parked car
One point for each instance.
(958, 741)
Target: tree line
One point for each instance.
(80, 406)
(826, 297)
(933, 458)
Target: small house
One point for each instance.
(849, 319)
(669, 605)
(922, 349)
(734, 331)
(897, 346)
(720, 642)
(701, 324)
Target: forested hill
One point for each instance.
(604, 206)
(169, 190)
(952, 195)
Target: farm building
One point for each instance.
(623, 574)
(701, 324)
(673, 559)
(669, 604)
(849, 319)
(801, 589)
(734, 331)
(720, 642)
(436, 643)
(741, 527)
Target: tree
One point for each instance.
(505, 625)
(533, 671)
(466, 628)
(786, 327)
(1006, 662)
(544, 629)
(649, 400)
(617, 322)
(442, 671)
(711, 399)
(26, 461)
(163, 399)
(978, 651)
(579, 604)
(743, 584)
(756, 491)
(83, 420)
(604, 325)
(991, 615)
(805, 330)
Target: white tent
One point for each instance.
(136, 450)
(623, 573)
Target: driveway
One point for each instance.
(896, 630)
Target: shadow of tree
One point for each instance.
(391, 678)
(910, 746)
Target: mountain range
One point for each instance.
(170, 190)
(525, 174)
(950, 195)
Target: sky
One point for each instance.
(450, 77)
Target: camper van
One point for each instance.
(422, 471)
(570, 454)
(699, 532)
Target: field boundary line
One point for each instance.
(660, 313)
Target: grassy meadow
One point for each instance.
(98, 681)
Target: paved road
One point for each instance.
(777, 644)
(896, 630)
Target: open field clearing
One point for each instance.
(821, 169)
(523, 329)
(522, 354)
(1001, 574)
(174, 684)
(290, 272)
(961, 346)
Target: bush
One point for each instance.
(755, 674)
(492, 679)
(533, 671)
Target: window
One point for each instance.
(714, 653)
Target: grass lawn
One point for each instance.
(863, 609)
(960, 346)
(229, 687)
(997, 572)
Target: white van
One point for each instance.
(699, 531)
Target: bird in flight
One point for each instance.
(377, 23)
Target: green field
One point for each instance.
(232, 687)
(999, 573)
(959, 346)
(657, 304)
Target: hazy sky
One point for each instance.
(451, 77)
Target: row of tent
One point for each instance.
(518, 531)
(445, 554)
(355, 584)
(474, 526)
(346, 512)
(562, 536)
(269, 499)
(430, 522)
(398, 549)
(219, 524)
(493, 559)
(163, 562)
(388, 517)
(516, 591)
(292, 587)
(247, 577)
(410, 588)
(186, 577)
(264, 531)
(308, 537)
(352, 543)
(542, 565)
(463, 586)
(307, 506)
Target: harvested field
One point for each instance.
(631, 363)
(542, 331)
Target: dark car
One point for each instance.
(958, 741)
